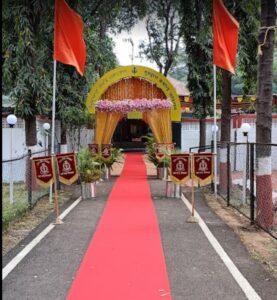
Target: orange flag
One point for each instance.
(69, 45)
(225, 37)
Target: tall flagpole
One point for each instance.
(58, 220)
(53, 121)
(53, 110)
(215, 135)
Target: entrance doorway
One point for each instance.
(129, 134)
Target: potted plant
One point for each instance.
(151, 155)
(106, 164)
(89, 171)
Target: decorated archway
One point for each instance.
(135, 92)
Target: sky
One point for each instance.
(123, 50)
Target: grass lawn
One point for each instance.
(13, 211)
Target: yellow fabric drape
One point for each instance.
(105, 126)
(165, 124)
(111, 123)
(150, 118)
(101, 118)
(159, 120)
(160, 123)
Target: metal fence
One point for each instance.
(247, 180)
(18, 181)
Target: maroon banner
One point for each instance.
(67, 168)
(169, 148)
(179, 167)
(43, 170)
(106, 151)
(203, 166)
(163, 149)
(94, 148)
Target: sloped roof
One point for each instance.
(180, 87)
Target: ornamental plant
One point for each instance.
(151, 153)
(88, 168)
(116, 155)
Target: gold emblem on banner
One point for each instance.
(202, 167)
(180, 168)
(67, 168)
(43, 170)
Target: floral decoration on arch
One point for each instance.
(127, 105)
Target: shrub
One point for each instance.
(151, 154)
(116, 154)
(88, 168)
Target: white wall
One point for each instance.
(86, 137)
(240, 150)
(19, 147)
(252, 133)
(190, 134)
(190, 138)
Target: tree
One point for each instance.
(102, 17)
(196, 29)
(275, 72)
(179, 69)
(28, 49)
(246, 13)
(265, 213)
(164, 34)
(26, 71)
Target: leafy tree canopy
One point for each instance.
(164, 33)
(27, 52)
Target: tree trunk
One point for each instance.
(102, 34)
(63, 134)
(265, 213)
(202, 123)
(202, 132)
(64, 146)
(225, 129)
(79, 138)
(31, 131)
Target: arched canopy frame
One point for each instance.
(123, 72)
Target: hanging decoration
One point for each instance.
(67, 168)
(44, 170)
(163, 149)
(202, 167)
(180, 168)
(106, 151)
(126, 106)
(94, 149)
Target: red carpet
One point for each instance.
(125, 259)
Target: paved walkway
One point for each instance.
(125, 252)
(194, 269)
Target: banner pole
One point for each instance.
(53, 123)
(215, 134)
(192, 197)
(192, 218)
(58, 221)
(56, 199)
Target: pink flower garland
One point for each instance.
(125, 106)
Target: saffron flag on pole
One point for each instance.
(225, 37)
(69, 45)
